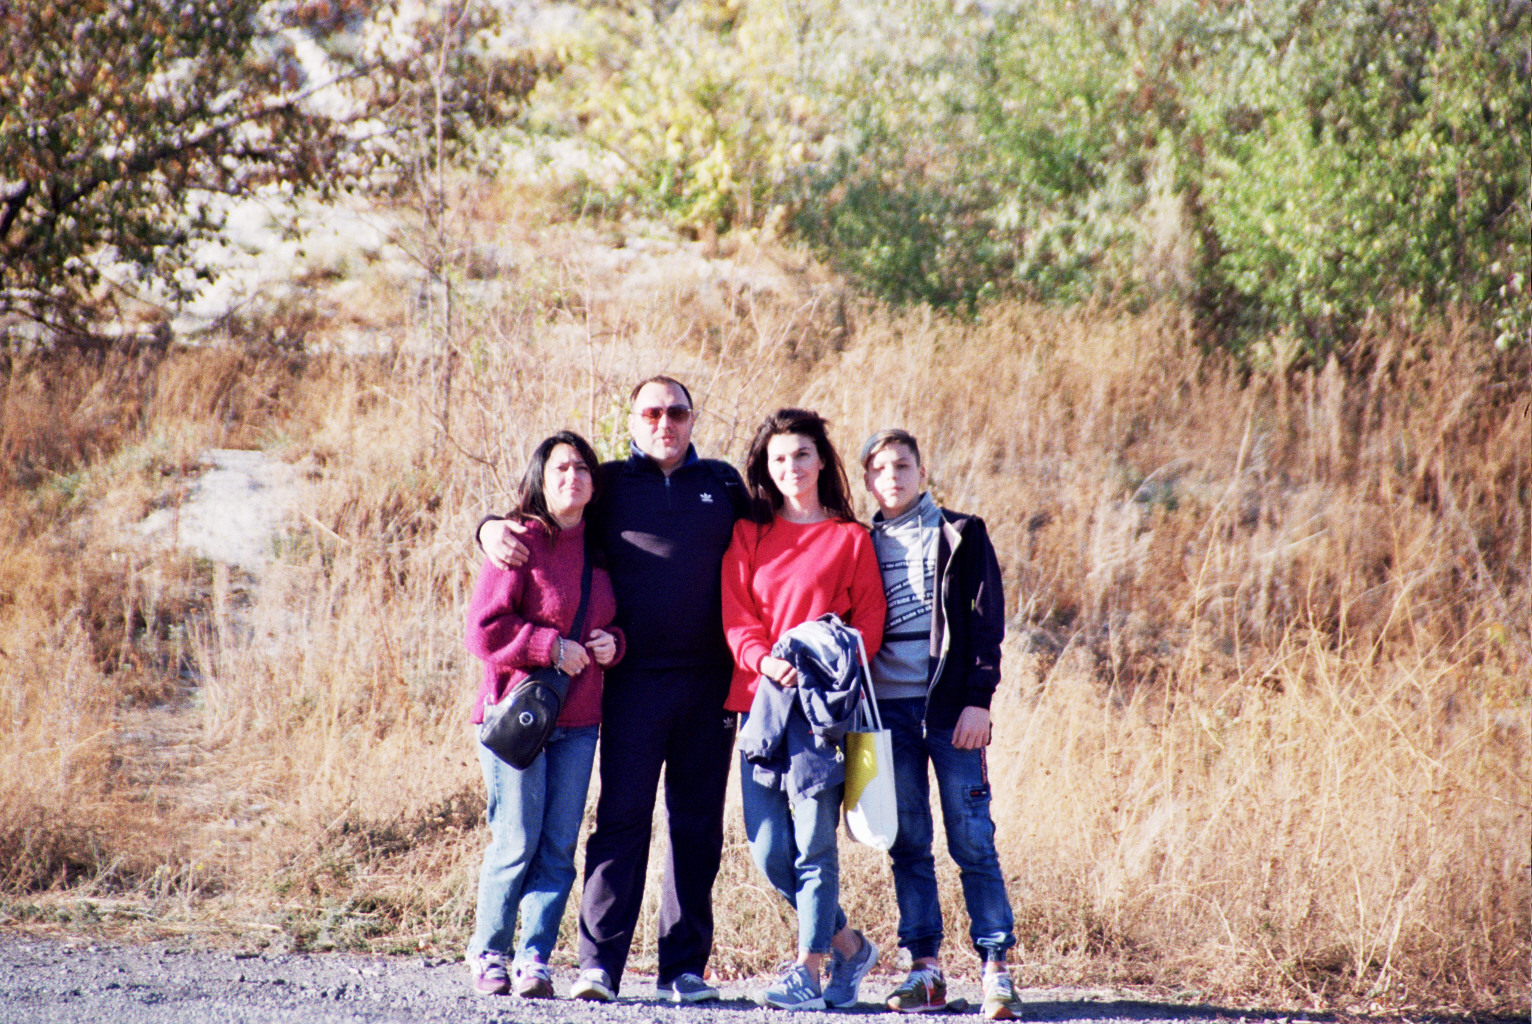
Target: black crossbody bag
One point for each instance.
(518, 727)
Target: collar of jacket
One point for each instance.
(641, 460)
(925, 508)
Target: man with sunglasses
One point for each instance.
(664, 518)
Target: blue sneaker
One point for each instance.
(686, 988)
(797, 989)
(846, 973)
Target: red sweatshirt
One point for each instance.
(778, 576)
(515, 619)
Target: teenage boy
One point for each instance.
(934, 677)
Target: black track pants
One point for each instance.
(654, 720)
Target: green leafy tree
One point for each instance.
(123, 123)
(113, 113)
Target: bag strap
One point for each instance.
(868, 706)
(579, 619)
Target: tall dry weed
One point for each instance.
(1265, 728)
(1318, 828)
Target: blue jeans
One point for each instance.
(534, 822)
(794, 846)
(962, 782)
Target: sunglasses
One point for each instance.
(654, 413)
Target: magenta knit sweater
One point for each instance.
(515, 619)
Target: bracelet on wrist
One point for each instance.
(558, 658)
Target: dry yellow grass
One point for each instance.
(1266, 731)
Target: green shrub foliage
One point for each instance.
(1373, 156)
(1282, 165)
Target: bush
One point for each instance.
(1292, 166)
(1373, 156)
(704, 110)
(910, 238)
(1282, 166)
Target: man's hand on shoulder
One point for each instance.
(972, 731)
(501, 543)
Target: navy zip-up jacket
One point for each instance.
(664, 539)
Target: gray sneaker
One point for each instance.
(924, 991)
(1000, 1002)
(797, 989)
(686, 988)
(594, 986)
(846, 973)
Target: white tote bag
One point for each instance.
(871, 802)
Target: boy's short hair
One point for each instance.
(883, 438)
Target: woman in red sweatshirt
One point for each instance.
(802, 554)
(519, 619)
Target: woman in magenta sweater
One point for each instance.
(801, 555)
(519, 619)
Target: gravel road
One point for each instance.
(62, 982)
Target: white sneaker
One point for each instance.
(593, 986)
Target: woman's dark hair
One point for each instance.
(531, 502)
(765, 499)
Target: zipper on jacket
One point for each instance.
(942, 589)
